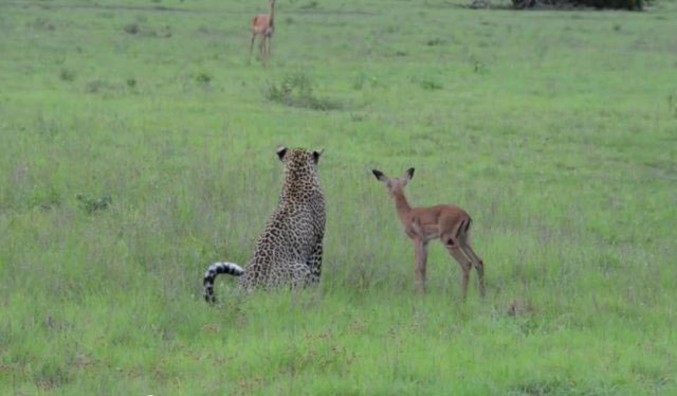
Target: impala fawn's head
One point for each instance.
(397, 184)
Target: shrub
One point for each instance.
(296, 90)
(67, 75)
(430, 85)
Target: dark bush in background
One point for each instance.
(632, 5)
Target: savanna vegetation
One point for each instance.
(138, 146)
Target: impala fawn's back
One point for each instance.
(449, 223)
(263, 25)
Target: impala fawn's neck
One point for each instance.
(401, 205)
(271, 14)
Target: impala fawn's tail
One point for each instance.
(212, 272)
(461, 234)
(465, 230)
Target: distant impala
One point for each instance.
(263, 25)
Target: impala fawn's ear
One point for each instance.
(281, 151)
(380, 176)
(410, 173)
(317, 154)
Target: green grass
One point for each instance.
(138, 147)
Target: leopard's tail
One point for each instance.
(212, 272)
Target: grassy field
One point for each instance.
(138, 146)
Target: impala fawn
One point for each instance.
(449, 223)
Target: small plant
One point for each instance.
(310, 5)
(45, 198)
(91, 205)
(131, 83)
(48, 127)
(391, 29)
(427, 83)
(672, 103)
(478, 67)
(44, 24)
(434, 42)
(357, 117)
(430, 85)
(95, 86)
(164, 32)
(67, 75)
(360, 81)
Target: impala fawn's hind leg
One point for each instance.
(453, 247)
(463, 261)
(477, 263)
(464, 241)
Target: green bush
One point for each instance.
(296, 90)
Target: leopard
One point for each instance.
(289, 250)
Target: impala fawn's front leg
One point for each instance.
(251, 46)
(420, 262)
(262, 49)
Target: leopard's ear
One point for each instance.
(317, 154)
(281, 151)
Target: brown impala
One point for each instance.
(263, 25)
